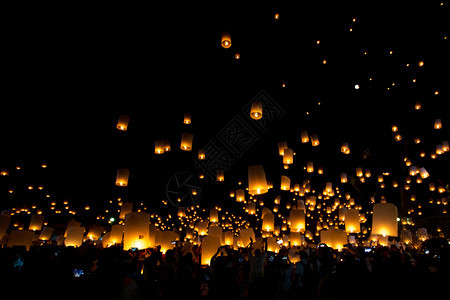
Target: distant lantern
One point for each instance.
(226, 40)
(159, 147)
(268, 222)
(213, 215)
(240, 195)
(384, 220)
(418, 105)
(285, 183)
(166, 145)
(257, 183)
(186, 141)
(187, 118)
(288, 157)
(345, 148)
(281, 146)
(309, 167)
(304, 136)
(352, 221)
(201, 154)
(122, 123)
(344, 177)
(315, 140)
(256, 110)
(122, 177)
(359, 172)
(220, 175)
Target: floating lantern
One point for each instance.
(288, 157)
(220, 175)
(187, 118)
(46, 233)
(209, 247)
(36, 222)
(310, 167)
(315, 140)
(165, 239)
(359, 172)
(136, 232)
(226, 40)
(116, 234)
(345, 148)
(213, 215)
(295, 239)
(186, 141)
(352, 219)
(159, 147)
(285, 183)
(122, 177)
(384, 220)
(334, 238)
(268, 222)
(256, 110)
(437, 124)
(272, 244)
(122, 123)
(344, 178)
(201, 154)
(297, 218)
(257, 183)
(21, 238)
(202, 228)
(281, 146)
(74, 236)
(304, 136)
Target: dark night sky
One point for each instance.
(68, 73)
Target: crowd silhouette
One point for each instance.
(93, 272)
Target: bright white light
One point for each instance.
(356, 86)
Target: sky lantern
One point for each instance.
(268, 222)
(122, 177)
(304, 136)
(201, 154)
(136, 231)
(384, 219)
(116, 234)
(240, 195)
(36, 222)
(122, 123)
(334, 238)
(285, 183)
(288, 157)
(213, 215)
(187, 118)
(46, 233)
(281, 146)
(309, 167)
(186, 141)
(344, 178)
(257, 183)
(345, 148)
(165, 239)
(256, 110)
(352, 224)
(437, 124)
(297, 218)
(220, 175)
(125, 209)
(315, 140)
(226, 40)
(159, 147)
(209, 247)
(74, 236)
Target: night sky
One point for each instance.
(69, 72)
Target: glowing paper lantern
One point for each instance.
(310, 167)
(122, 177)
(187, 118)
(315, 140)
(186, 141)
(46, 233)
(36, 222)
(202, 228)
(285, 183)
(268, 222)
(257, 183)
(345, 148)
(165, 239)
(216, 231)
(125, 209)
(95, 231)
(423, 173)
(226, 40)
(201, 154)
(288, 157)
(297, 218)
(228, 238)
(21, 238)
(213, 215)
(209, 247)
(220, 175)
(344, 178)
(437, 124)
(295, 239)
(122, 123)
(245, 234)
(74, 236)
(116, 234)
(256, 110)
(304, 136)
(159, 147)
(240, 195)
(384, 220)
(136, 231)
(281, 146)
(352, 224)
(272, 244)
(334, 238)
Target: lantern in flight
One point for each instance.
(122, 123)
(256, 110)
(122, 177)
(257, 183)
(226, 40)
(384, 220)
(186, 141)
